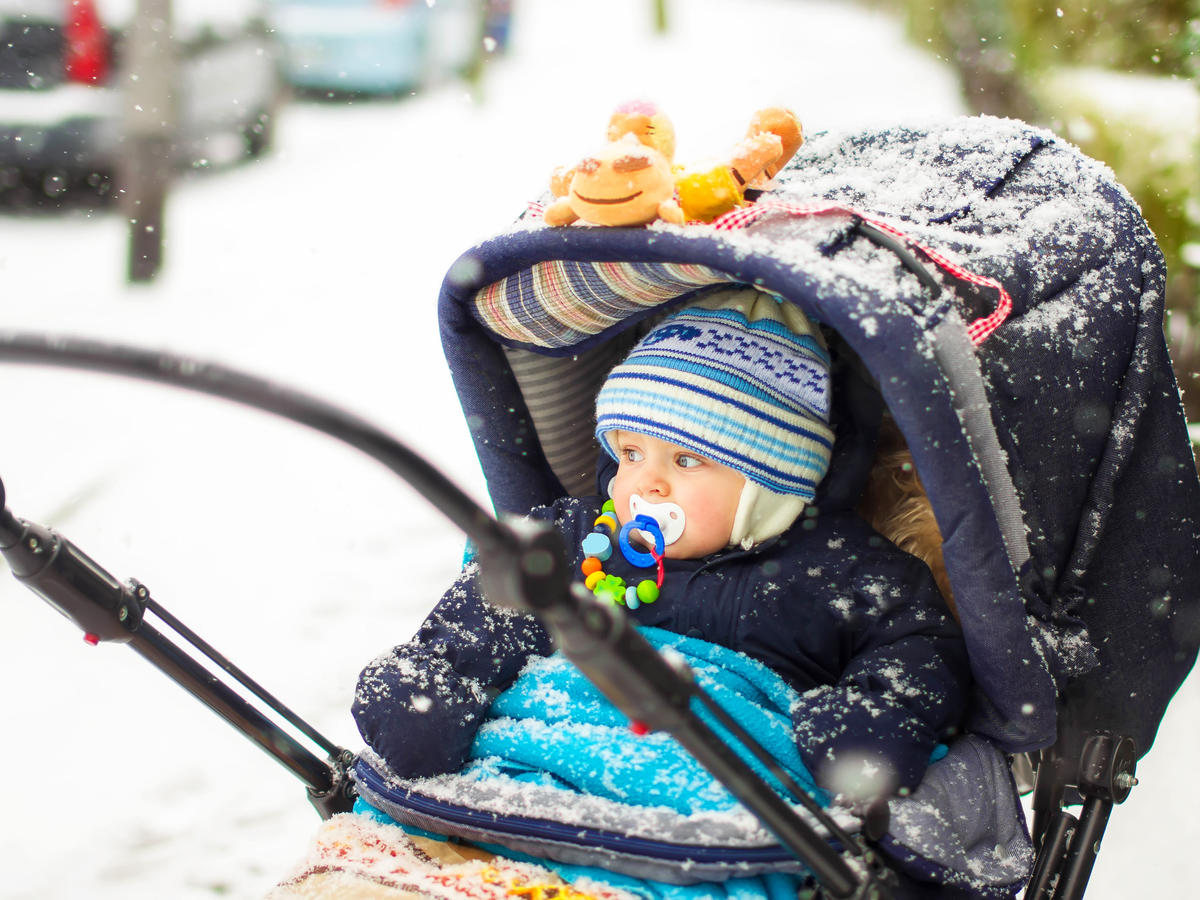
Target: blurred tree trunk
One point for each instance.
(475, 68)
(1009, 56)
(660, 16)
(991, 81)
(149, 127)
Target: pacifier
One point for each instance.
(669, 516)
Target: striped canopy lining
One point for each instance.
(560, 392)
(558, 304)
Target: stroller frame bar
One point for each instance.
(523, 566)
(241, 677)
(1103, 772)
(106, 610)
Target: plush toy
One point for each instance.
(645, 121)
(783, 124)
(641, 118)
(708, 191)
(624, 183)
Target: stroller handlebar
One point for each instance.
(524, 565)
(656, 693)
(107, 610)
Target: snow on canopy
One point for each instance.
(1076, 381)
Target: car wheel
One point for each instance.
(55, 183)
(259, 134)
(99, 184)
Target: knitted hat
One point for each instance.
(739, 378)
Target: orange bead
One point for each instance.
(590, 565)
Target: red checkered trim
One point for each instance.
(978, 330)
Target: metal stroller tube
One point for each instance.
(1100, 767)
(524, 567)
(105, 609)
(230, 384)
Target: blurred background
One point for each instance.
(1118, 78)
(96, 93)
(281, 186)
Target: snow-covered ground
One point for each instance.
(318, 266)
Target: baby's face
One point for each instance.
(656, 472)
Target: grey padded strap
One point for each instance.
(955, 355)
(560, 393)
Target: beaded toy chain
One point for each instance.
(597, 548)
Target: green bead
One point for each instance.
(647, 591)
(608, 506)
(606, 593)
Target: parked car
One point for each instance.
(378, 47)
(352, 46)
(63, 83)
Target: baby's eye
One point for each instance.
(632, 454)
(686, 461)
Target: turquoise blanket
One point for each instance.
(554, 728)
(554, 749)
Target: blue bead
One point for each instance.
(631, 597)
(597, 545)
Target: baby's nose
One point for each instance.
(656, 484)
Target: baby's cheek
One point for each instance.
(620, 498)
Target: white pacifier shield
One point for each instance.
(669, 516)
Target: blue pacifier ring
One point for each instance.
(646, 525)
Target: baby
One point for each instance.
(716, 428)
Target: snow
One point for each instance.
(301, 560)
(1167, 107)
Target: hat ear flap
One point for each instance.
(762, 514)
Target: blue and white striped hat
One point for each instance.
(739, 378)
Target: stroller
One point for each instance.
(1001, 298)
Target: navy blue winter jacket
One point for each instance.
(851, 622)
(855, 624)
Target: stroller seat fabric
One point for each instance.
(996, 294)
(1041, 448)
(557, 774)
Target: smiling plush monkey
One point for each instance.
(624, 183)
(645, 121)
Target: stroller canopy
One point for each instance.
(1049, 435)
